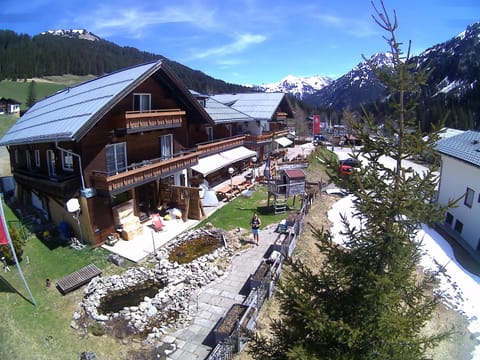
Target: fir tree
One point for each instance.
(367, 301)
(18, 244)
(32, 94)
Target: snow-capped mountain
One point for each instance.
(73, 33)
(358, 86)
(454, 65)
(297, 86)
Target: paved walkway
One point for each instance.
(210, 303)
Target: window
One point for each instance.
(209, 131)
(116, 158)
(15, 155)
(469, 195)
(28, 158)
(51, 163)
(458, 226)
(229, 129)
(67, 161)
(141, 102)
(166, 146)
(449, 219)
(37, 158)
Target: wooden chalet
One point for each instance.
(9, 106)
(268, 112)
(124, 144)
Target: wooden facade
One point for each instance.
(127, 154)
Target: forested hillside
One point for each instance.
(23, 56)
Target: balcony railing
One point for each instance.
(138, 121)
(214, 147)
(279, 133)
(141, 173)
(266, 137)
(61, 185)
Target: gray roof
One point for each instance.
(258, 105)
(68, 114)
(465, 146)
(221, 113)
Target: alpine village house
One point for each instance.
(133, 140)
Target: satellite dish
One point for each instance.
(73, 205)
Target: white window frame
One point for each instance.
(37, 157)
(229, 129)
(469, 197)
(166, 146)
(119, 157)
(209, 131)
(51, 163)
(67, 160)
(144, 102)
(28, 159)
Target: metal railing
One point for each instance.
(257, 296)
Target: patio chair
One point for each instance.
(157, 224)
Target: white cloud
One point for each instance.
(133, 20)
(242, 42)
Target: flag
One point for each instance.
(3, 233)
(5, 239)
(316, 125)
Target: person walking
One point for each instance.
(255, 224)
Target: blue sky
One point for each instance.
(248, 41)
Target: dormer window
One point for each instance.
(141, 102)
(202, 102)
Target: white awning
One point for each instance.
(238, 153)
(283, 141)
(212, 163)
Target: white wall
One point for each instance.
(456, 176)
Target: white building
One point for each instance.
(460, 180)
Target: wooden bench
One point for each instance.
(78, 278)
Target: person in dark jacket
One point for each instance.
(255, 224)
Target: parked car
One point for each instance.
(346, 169)
(351, 162)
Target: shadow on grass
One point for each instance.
(5, 286)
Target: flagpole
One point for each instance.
(7, 233)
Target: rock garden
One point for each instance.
(148, 301)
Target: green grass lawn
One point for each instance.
(18, 90)
(44, 332)
(239, 211)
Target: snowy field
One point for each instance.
(461, 288)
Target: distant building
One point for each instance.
(9, 106)
(460, 179)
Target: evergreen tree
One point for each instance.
(366, 301)
(32, 94)
(18, 244)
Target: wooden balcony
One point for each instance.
(138, 121)
(141, 173)
(279, 133)
(62, 185)
(266, 137)
(215, 147)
